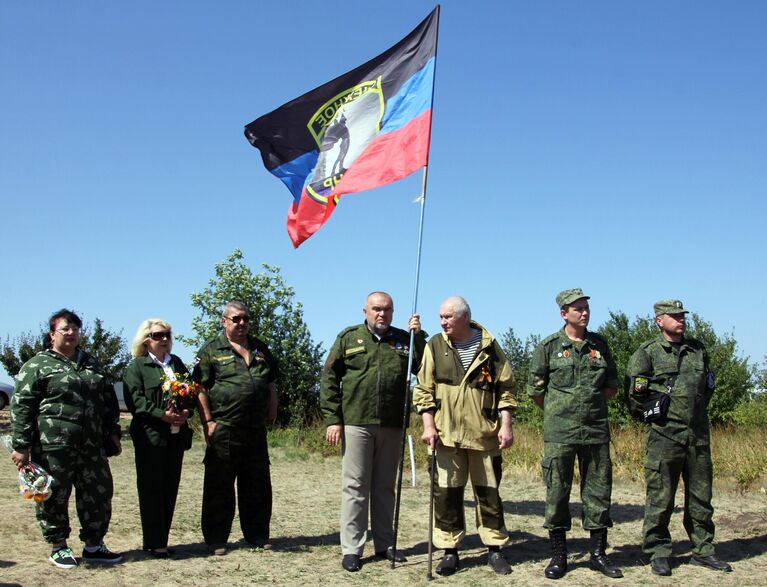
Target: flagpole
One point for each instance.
(406, 407)
(406, 414)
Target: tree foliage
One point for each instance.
(519, 354)
(108, 348)
(276, 319)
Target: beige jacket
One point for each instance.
(466, 403)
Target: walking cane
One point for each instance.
(432, 476)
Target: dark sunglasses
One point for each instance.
(160, 335)
(237, 319)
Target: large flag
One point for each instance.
(364, 129)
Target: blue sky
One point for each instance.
(613, 146)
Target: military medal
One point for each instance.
(566, 354)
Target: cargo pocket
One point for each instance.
(547, 467)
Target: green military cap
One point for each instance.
(669, 307)
(569, 296)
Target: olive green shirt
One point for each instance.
(238, 392)
(654, 367)
(364, 378)
(63, 403)
(572, 382)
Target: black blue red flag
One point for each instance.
(366, 128)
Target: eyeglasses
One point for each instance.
(237, 319)
(68, 330)
(162, 335)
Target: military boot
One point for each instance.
(557, 566)
(599, 560)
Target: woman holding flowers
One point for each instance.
(160, 396)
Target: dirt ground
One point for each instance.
(305, 536)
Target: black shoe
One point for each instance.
(351, 563)
(660, 566)
(599, 559)
(600, 562)
(102, 555)
(391, 556)
(711, 562)
(261, 543)
(159, 552)
(557, 566)
(499, 564)
(448, 565)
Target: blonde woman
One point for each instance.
(159, 435)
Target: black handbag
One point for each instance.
(654, 410)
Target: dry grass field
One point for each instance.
(305, 527)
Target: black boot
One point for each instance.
(599, 560)
(557, 566)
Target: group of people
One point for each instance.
(65, 417)
(465, 396)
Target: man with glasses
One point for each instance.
(238, 375)
(362, 396)
(675, 368)
(572, 375)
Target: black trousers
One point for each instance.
(158, 473)
(240, 455)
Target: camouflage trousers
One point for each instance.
(454, 467)
(92, 480)
(236, 454)
(665, 462)
(596, 472)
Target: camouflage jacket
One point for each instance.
(572, 381)
(59, 402)
(238, 393)
(654, 367)
(364, 378)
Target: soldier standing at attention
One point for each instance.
(362, 397)
(239, 395)
(572, 375)
(675, 368)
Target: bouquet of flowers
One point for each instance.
(180, 394)
(34, 481)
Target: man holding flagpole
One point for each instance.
(362, 395)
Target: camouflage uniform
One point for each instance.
(238, 394)
(679, 444)
(571, 378)
(61, 411)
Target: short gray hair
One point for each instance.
(236, 306)
(459, 305)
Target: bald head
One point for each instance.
(378, 311)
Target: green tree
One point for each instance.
(276, 319)
(108, 348)
(624, 338)
(734, 375)
(519, 354)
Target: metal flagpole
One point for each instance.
(406, 414)
(406, 407)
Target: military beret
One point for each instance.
(568, 296)
(669, 307)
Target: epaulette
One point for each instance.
(550, 338)
(598, 336)
(348, 329)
